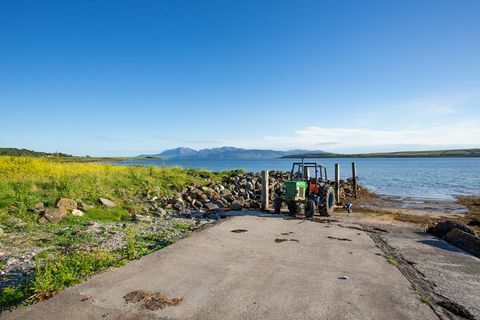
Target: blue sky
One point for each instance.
(132, 77)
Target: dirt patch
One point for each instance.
(152, 301)
(238, 230)
(339, 239)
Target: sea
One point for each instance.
(430, 178)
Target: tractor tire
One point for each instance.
(310, 208)
(293, 208)
(277, 205)
(326, 205)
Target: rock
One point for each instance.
(225, 193)
(83, 206)
(66, 204)
(464, 240)
(37, 208)
(1, 232)
(42, 220)
(142, 218)
(211, 206)
(219, 203)
(107, 203)
(249, 186)
(179, 206)
(161, 211)
(443, 228)
(236, 205)
(54, 215)
(77, 213)
(197, 204)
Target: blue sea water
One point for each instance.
(434, 178)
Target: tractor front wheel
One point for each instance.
(293, 208)
(310, 208)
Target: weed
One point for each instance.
(182, 226)
(58, 271)
(392, 260)
(131, 252)
(424, 298)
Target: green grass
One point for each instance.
(55, 271)
(65, 260)
(392, 260)
(26, 181)
(424, 298)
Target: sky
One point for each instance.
(122, 78)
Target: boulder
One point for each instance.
(236, 205)
(210, 206)
(219, 203)
(441, 229)
(66, 204)
(225, 193)
(107, 202)
(54, 215)
(77, 213)
(464, 240)
(142, 218)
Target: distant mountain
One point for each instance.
(224, 153)
(28, 153)
(398, 154)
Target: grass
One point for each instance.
(424, 298)
(26, 181)
(392, 260)
(55, 271)
(69, 249)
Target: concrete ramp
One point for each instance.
(249, 268)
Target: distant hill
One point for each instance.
(28, 153)
(398, 154)
(223, 153)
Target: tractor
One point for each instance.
(307, 185)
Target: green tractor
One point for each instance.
(308, 185)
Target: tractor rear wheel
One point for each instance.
(277, 205)
(326, 205)
(310, 208)
(293, 208)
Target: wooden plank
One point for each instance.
(265, 191)
(337, 182)
(354, 179)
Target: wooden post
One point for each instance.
(265, 191)
(354, 179)
(337, 182)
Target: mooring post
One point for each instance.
(337, 182)
(354, 179)
(265, 191)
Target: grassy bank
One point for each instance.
(65, 253)
(26, 181)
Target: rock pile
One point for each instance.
(458, 234)
(235, 193)
(241, 191)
